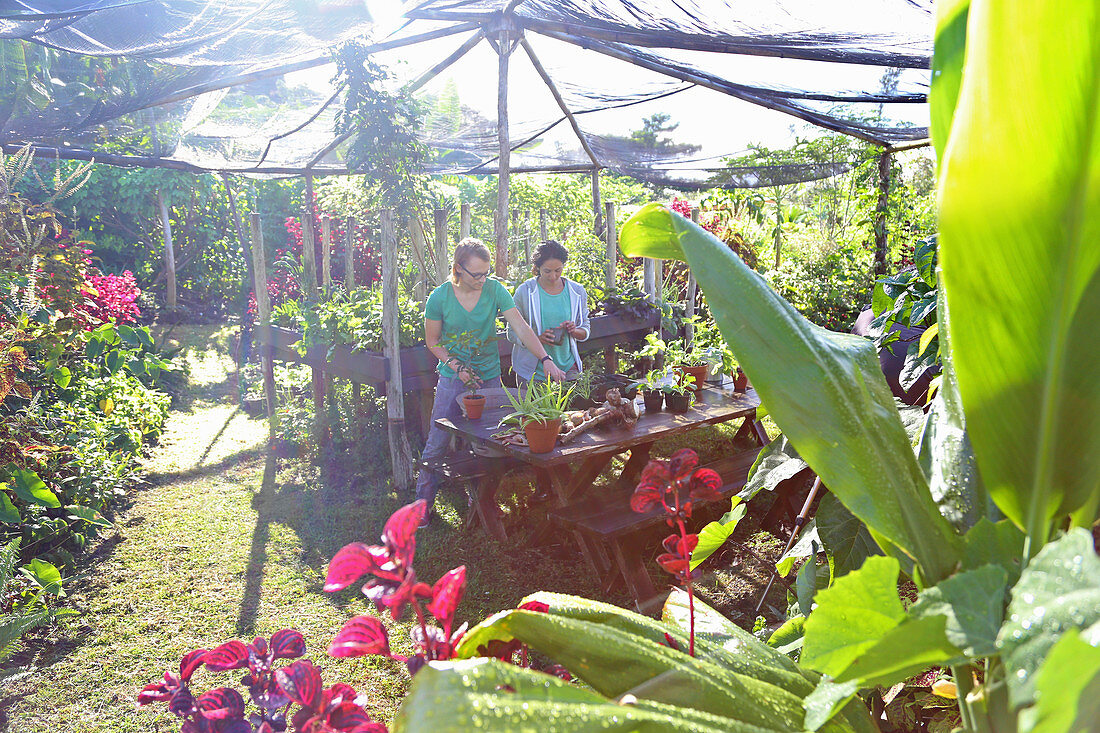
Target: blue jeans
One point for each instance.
(447, 391)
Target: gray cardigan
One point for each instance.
(527, 301)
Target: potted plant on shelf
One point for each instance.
(538, 410)
(652, 390)
(465, 347)
(680, 395)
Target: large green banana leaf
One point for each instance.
(1020, 250)
(825, 390)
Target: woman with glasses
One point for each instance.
(557, 309)
(460, 330)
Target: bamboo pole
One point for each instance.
(326, 254)
(400, 452)
(349, 254)
(464, 223)
(692, 287)
(442, 265)
(169, 254)
(544, 224)
(611, 361)
(263, 315)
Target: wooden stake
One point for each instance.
(169, 254)
(464, 223)
(692, 287)
(349, 254)
(442, 262)
(400, 452)
(326, 255)
(544, 224)
(263, 315)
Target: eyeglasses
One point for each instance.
(474, 275)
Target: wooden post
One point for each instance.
(692, 287)
(400, 452)
(880, 213)
(169, 254)
(597, 224)
(263, 315)
(611, 361)
(309, 261)
(464, 223)
(326, 255)
(504, 150)
(544, 224)
(442, 262)
(349, 254)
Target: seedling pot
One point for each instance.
(542, 436)
(474, 404)
(653, 400)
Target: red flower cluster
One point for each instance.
(111, 297)
(394, 586)
(222, 710)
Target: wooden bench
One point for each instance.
(609, 521)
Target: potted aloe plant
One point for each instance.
(538, 410)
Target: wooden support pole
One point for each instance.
(442, 262)
(349, 254)
(597, 224)
(464, 223)
(611, 360)
(504, 151)
(880, 213)
(309, 254)
(544, 224)
(400, 452)
(692, 287)
(326, 255)
(169, 254)
(263, 315)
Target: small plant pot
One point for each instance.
(542, 436)
(653, 400)
(678, 403)
(474, 404)
(740, 380)
(699, 372)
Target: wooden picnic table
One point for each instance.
(570, 470)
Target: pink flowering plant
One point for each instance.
(272, 688)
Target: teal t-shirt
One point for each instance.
(478, 327)
(553, 310)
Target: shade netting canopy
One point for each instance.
(249, 87)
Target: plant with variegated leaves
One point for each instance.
(393, 585)
(273, 689)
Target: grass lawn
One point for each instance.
(225, 542)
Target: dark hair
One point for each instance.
(549, 250)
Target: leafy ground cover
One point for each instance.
(223, 542)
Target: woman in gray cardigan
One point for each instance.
(557, 310)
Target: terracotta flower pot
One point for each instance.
(653, 400)
(678, 403)
(740, 380)
(542, 436)
(474, 404)
(699, 372)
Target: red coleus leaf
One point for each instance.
(287, 644)
(535, 606)
(360, 636)
(645, 497)
(706, 485)
(351, 563)
(190, 662)
(673, 563)
(446, 595)
(683, 462)
(221, 703)
(230, 655)
(301, 682)
(399, 536)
